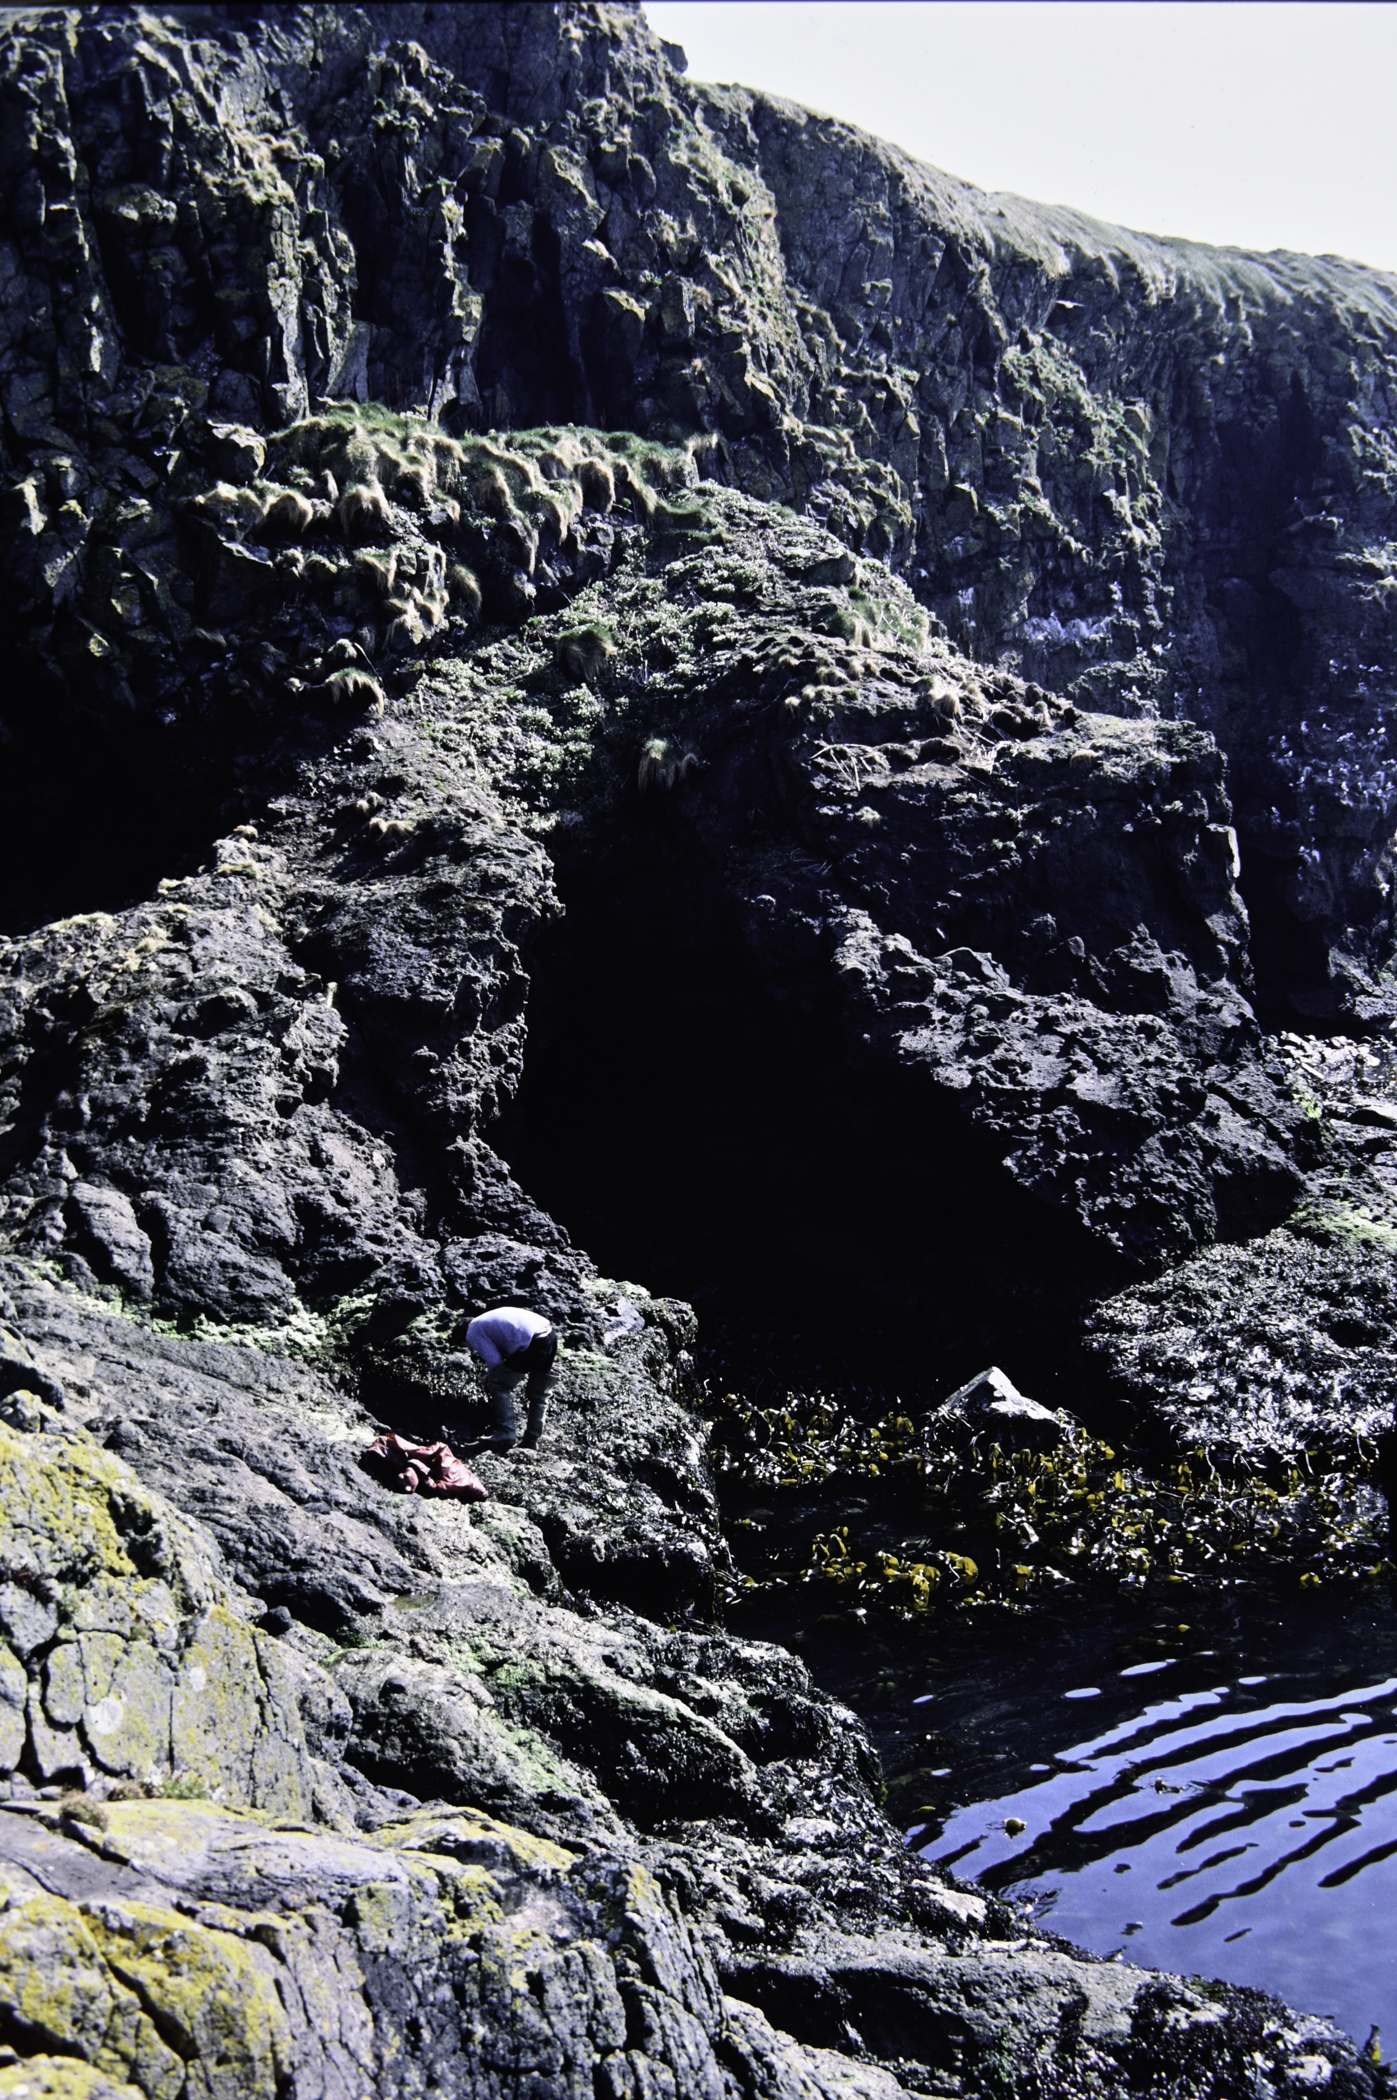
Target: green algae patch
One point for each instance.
(957, 1525)
(1344, 1224)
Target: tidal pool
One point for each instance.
(1244, 1828)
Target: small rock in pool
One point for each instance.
(991, 1403)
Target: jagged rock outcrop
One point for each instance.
(1154, 477)
(1283, 1342)
(488, 520)
(895, 843)
(742, 1925)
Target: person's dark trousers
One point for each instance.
(536, 1364)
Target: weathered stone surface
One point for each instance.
(136, 1666)
(188, 1949)
(1284, 1342)
(456, 467)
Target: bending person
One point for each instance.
(513, 1345)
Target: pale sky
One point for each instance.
(1251, 123)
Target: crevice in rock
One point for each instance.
(1290, 960)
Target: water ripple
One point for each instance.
(1260, 1842)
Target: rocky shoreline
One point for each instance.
(522, 680)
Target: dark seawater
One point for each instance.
(1206, 1818)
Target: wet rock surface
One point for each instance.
(576, 631)
(677, 1786)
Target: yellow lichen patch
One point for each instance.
(386, 1914)
(61, 2078)
(459, 1831)
(55, 1498)
(212, 1993)
(217, 1699)
(152, 1667)
(512, 1955)
(126, 1713)
(218, 1726)
(155, 1836)
(641, 1892)
(475, 1900)
(121, 1608)
(466, 1897)
(52, 1977)
(59, 1992)
(14, 1690)
(142, 951)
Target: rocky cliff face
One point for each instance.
(1156, 478)
(585, 643)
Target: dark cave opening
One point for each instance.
(1264, 488)
(97, 808)
(1290, 960)
(93, 815)
(703, 1131)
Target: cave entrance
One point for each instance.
(701, 1130)
(91, 816)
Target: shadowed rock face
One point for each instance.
(598, 661)
(1153, 477)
